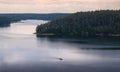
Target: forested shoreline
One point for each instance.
(101, 23)
(6, 19)
(39, 16)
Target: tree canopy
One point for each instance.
(84, 24)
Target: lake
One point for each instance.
(22, 51)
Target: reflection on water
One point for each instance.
(22, 51)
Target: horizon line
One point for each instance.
(52, 12)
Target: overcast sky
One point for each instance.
(55, 6)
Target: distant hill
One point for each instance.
(51, 16)
(6, 19)
(103, 23)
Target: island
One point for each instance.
(100, 23)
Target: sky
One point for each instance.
(56, 6)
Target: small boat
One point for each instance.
(60, 58)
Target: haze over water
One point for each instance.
(22, 51)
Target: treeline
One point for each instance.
(24, 16)
(102, 23)
(5, 21)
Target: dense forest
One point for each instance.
(102, 23)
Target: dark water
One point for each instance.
(22, 51)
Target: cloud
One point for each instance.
(55, 1)
(17, 1)
(56, 5)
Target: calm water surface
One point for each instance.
(22, 51)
